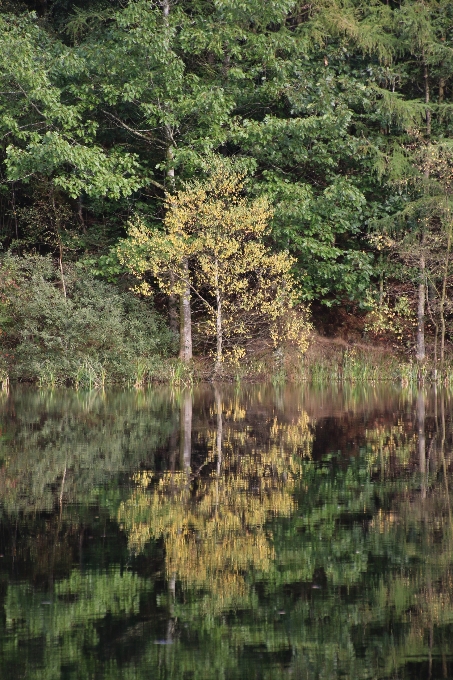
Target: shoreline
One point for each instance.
(327, 360)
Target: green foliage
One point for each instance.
(48, 131)
(113, 103)
(95, 334)
(317, 231)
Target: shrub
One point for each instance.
(96, 334)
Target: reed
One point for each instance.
(356, 366)
(90, 375)
(48, 375)
(180, 374)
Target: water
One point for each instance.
(230, 533)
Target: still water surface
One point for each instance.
(227, 533)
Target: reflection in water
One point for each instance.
(421, 437)
(298, 534)
(214, 525)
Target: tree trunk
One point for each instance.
(173, 307)
(60, 245)
(431, 295)
(60, 263)
(428, 112)
(166, 10)
(13, 197)
(443, 298)
(185, 333)
(172, 300)
(226, 65)
(442, 82)
(218, 361)
(420, 355)
(80, 214)
(219, 328)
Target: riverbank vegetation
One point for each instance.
(215, 173)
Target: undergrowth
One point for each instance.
(95, 335)
(98, 335)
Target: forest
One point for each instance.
(223, 181)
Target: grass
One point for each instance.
(330, 362)
(181, 374)
(324, 363)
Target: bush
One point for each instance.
(94, 335)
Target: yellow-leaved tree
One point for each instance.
(246, 290)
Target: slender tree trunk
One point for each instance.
(219, 327)
(166, 10)
(60, 245)
(381, 290)
(185, 337)
(185, 326)
(14, 210)
(443, 298)
(421, 285)
(172, 301)
(60, 262)
(218, 362)
(170, 158)
(436, 342)
(80, 214)
(432, 316)
(442, 83)
(226, 65)
(420, 352)
(427, 95)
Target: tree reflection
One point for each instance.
(57, 446)
(277, 562)
(214, 528)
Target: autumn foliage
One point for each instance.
(214, 242)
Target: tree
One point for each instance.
(46, 121)
(245, 289)
(420, 237)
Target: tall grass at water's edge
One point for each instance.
(88, 374)
(351, 366)
(356, 366)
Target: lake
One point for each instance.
(232, 532)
